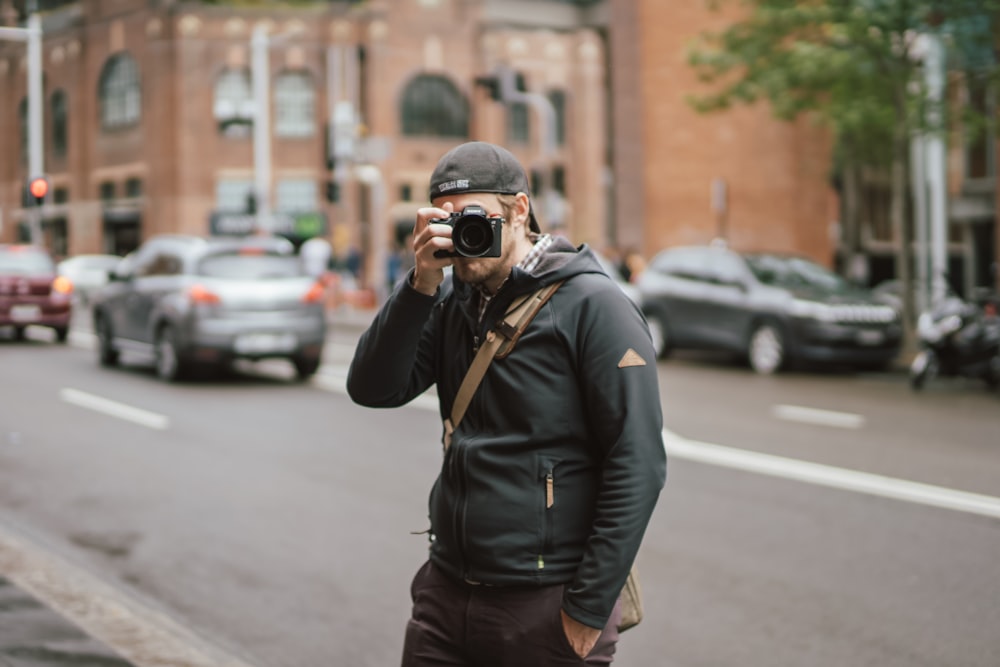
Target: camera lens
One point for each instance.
(472, 235)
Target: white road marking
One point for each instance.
(776, 466)
(115, 409)
(798, 413)
(824, 475)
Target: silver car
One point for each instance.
(189, 302)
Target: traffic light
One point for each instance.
(492, 85)
(38, 188)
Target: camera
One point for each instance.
(473, 234)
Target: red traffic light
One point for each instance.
(38, 187)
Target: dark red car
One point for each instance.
(31, 292)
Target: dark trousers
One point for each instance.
(469, 625)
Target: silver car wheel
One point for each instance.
(167, 364)
(767, 350)
(658, 332)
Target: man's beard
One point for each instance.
(479, 272)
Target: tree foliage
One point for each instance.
(858, 66)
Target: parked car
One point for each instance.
(189, 302)
(775, 309)
(88, 273)
(31, 292)
(630, 290)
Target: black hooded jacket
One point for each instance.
(552, 475)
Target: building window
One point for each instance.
(295, 196)
(107, 190)
(121, 104)
(233, 194)
(133, 188)
(433, 106)
(294, 101)
(406, 192)
(59, 130)
(22, 116)
(518, 124)
(233, 106)
(980, 144)
(558, 100)
(60, 195)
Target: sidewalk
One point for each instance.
(33, 635)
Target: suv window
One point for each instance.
(25, 262)
(689, 263)
(243, 265)
(162, 263)
(726, 268)
(794, 272)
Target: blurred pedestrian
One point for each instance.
(549, 481)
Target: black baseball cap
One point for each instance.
(478, 166)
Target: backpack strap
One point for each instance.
(499, 342)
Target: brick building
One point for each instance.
(148, 110)
(673, 167)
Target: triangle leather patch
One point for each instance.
(631, 358)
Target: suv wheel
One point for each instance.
(107, 355)
(767, 349)
(659, 334)
(305, 367)
(168, 363)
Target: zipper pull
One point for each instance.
(550, 496)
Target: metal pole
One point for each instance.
(919, 183)
(36, 157)
(937, 198)
(377, 274)
(260, 76)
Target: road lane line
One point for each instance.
(143, 635)
(798, 413)
(824, 475)
(115, 409)
(776, 466)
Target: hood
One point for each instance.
(561, 260)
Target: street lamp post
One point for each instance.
(32, 34)
(260, 80)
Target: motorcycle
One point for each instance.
(958, 339)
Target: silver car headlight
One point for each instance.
(813, 310)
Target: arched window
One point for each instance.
(57, 105)
(233, 105)
(121, 103)
(294, 105)
(433, 106)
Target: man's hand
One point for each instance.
(581, 637)
(427, 239)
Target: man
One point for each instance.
(549, 481)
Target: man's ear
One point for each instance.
(522, 209)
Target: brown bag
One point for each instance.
(631, 598)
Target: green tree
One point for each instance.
(856, 66)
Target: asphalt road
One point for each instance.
(270, 522)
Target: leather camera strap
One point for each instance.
(499, 342)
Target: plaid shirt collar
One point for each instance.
(528, 264)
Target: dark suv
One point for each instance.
(775, 309)
(189, 302)
(31, 292)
